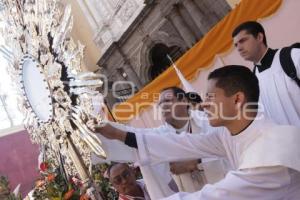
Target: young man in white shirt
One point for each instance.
(190, 175)
(265, 157)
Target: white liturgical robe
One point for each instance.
(279, 94)
(157, 177)
(265, 158)
(211, 170)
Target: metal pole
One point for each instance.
(81, 169)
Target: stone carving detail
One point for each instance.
(127, 10)
(135, 60)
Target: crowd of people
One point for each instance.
(240, 143)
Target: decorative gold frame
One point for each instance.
(41, 28)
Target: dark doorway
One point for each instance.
(160, 62)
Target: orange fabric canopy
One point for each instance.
(216, 41)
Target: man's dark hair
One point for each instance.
(251, 27)
(193, 97)
(177, 92)
(237, 78)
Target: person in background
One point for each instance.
(190, 176)
(280, 89)
(123, 179)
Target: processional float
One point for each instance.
(55, 94)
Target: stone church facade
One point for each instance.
(138, 35)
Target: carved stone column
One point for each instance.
(181, 27)
(93, 9)
(196, 15)
(88, 14)
(132, 75)
(128, 69)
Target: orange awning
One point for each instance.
(217, 40)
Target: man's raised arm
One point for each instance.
(170, 147)
(114, 133)
(111, 132)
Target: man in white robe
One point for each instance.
(265, 157)
(190, 176)
(279, 93)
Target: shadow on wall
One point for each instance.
(19, 161)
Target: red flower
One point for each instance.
(44, 166)
(71, 180)
(50, 177)
(76, 181)
(84, 197)
(69, 194)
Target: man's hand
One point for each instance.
(91, 124)
(107, 130)
(183, 167)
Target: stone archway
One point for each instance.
(158, 58)
(149, 43)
